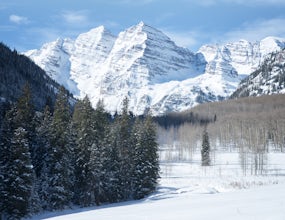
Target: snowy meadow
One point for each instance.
(189, 191)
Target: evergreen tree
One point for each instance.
(60, 170)
(16, 145)
(97, 152)
(137, 157)
(84, 126)
(16, 168)
(110, 173)
(6, 153)
(20, 175)
(146, 165)
(123, 142)
(42, 157)
(205, 151)
(25, 111)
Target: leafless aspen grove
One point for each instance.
(253, 127)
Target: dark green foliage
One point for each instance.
(60, 169)
(15, 160)
(16, 70)
(177, 119)
(123, 142)
(83, 118)
(145, 159)
(110, 176)
(51, 161)
(19, 176)
(98, 153)
(205, 151)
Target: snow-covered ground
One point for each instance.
(189, 191)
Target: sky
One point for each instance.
(28, 24)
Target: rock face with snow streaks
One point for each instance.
(145, 65)
(268, 79)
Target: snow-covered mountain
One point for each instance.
(145, 65)
(268, 79)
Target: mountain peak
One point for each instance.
(145, 65)
(145, 28)
(99, 30)
(141, 24)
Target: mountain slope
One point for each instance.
(145, 65)
(268, 79)
(16, 70)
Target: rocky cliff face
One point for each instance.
(268, 79)
(145, 65)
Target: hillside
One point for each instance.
(16, 70)
(268, 79)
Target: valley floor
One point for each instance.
(189, 191)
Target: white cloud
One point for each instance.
(18, 19)
(75, 17)
(258, 30)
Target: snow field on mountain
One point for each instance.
(146, 66)
(189, 191)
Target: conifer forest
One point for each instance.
(65, 156)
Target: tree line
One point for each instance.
(16, 70)
(57, 158)
(251, 126)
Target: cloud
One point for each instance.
(78, 18)
(258, 30)
(18, 19)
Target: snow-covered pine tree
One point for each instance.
(7, 131)
(42, 159)
(16, 168)
(145, 171)
(110, 160)
(152, 155)
(137, 158)
(16, 146)
(83, 122)
(205, 151)
(60, 170)
(20, 175)
(97, 159)
(123, 141)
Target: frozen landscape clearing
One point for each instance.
(189, 191)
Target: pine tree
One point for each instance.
(60, 171)
(16, 145)
(84, 126)
(16, 168)
(146, 165)
(97, 152)
(25, 111)
(137, 157)
(7, 130)
(123, 124)
(205, 151)
(42, 159)
(20, 175)
(110, 173)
